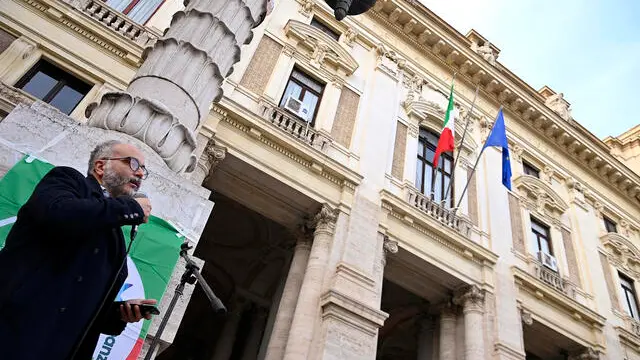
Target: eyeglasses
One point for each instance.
(134, 164)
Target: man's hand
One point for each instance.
(145, 204)
(130, 312)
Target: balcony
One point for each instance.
(295, 128)
(438, 211)
(554, 280)
(116, 21)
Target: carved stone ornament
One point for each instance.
(527, 318)
(586, 354)
(323, 49)
(469, 296)
(390, 246)
(306, 7)
(541, 194)
(487, 53)
(324, 218)
(320, 51)
(622, 253)
(559, 105)
(516, 152)
(547, 174)
(350, 36)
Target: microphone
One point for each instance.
(134, 228)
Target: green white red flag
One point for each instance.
(447, 140)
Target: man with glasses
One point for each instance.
(64, 260)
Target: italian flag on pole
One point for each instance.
(446, 141)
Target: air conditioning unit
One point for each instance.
(548, 260)
(297, 107)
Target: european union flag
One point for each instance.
(498, 137)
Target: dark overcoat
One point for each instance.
(59, 261)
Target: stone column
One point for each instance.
(448, 333)
(211, 156)
(425, 338)
(180, 77)
(252, 345)
(472, 301)
(224, 345)
(307, 308)
(290, 294)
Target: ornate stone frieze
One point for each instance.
(622, 253)
(541, 195)
(323, 49)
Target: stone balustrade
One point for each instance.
(295, 127)
(632, 325)
(116, 21)
(438, 211)
(554, 280)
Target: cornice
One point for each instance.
(547, 295)
(452, 50)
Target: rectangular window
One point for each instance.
(137, 10)
(54, 86)
(325, 29)
(530, 169)
(540, 237)
(305, 89)
(427, 143)
(629, 296)
(610, 225)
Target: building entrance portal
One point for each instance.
(248, 245)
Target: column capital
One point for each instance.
(448, 309)
(471, 298)
(586, 354)
(324, 219)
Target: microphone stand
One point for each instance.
(190, 275)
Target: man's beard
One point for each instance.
(116, 184)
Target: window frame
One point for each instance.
(326, 29)
(62, 78)
(305, 88)
(627, 285)
(609, 224)
(538, 235)
(530, 169)
(427, 166)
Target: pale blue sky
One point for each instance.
(587, 49)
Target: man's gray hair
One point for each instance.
(103, 150)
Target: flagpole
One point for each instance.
(433, 168)
(464, 134)
(473, 170)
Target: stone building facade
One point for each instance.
(324, 241)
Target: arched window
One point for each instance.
(427, 143)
